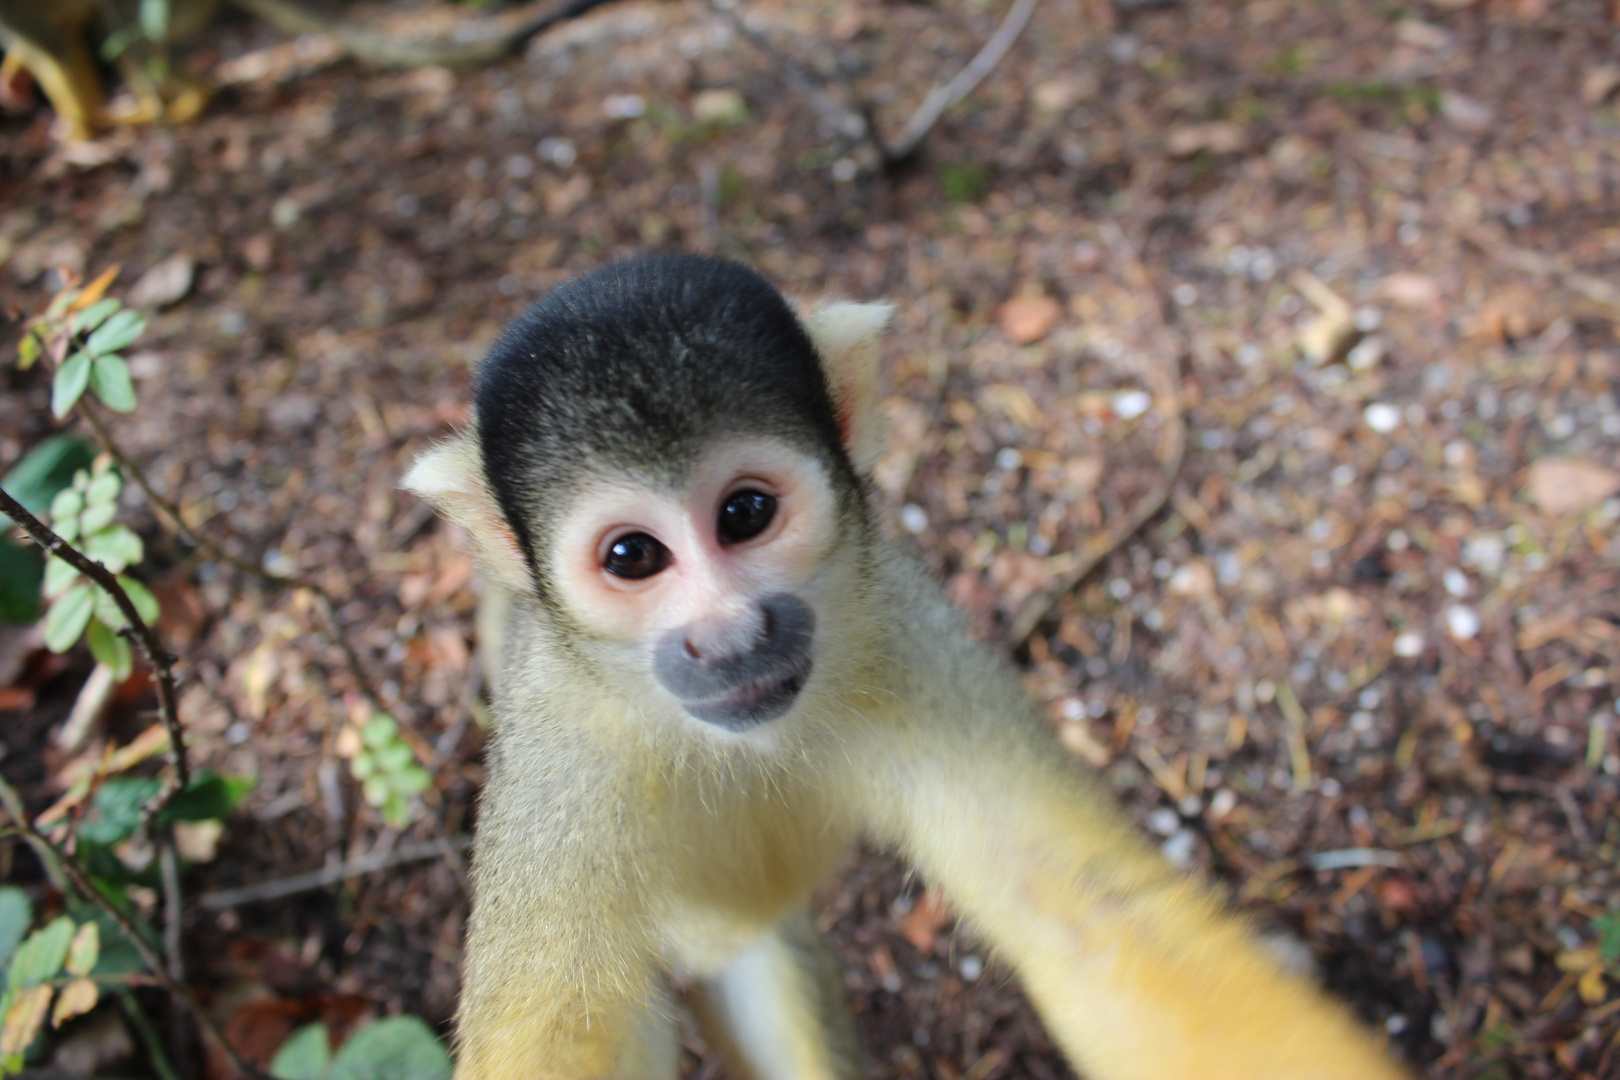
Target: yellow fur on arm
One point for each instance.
(1137, 971)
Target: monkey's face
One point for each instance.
(709, 587)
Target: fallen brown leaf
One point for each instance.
(1562, 486)
(1027, 319)
(923, 922)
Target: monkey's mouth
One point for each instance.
(752, 703)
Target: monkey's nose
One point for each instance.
(715, 641)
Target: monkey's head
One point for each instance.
(671, 464)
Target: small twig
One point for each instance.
(1559, 793)
(942, 97)
(13, 805)
(331, 875)
(859, 122)
(69, 868)
(151, 645)
(1173, 447)
(844, 120)
(169, 873)
(155, 1054)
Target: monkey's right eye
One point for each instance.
(635, 556)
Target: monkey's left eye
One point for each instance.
(635, 556)
(744, 516)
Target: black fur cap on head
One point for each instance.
(635, 367)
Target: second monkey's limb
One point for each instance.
(778, 1010)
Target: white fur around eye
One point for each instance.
(704, 575)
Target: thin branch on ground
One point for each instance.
(331, 875)
(943, 96)
(169, 874)
(844, 120)
(859, 122)
(1598, 291)
(69, 868)
(1165, 384)
(157, 656)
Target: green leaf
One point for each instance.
(379, 731)
(114, 45)
(60, 303)
(104, 488)
(20, 572)
(40, 955)
(59, 574)
(208, 796)
(84, 951)
(94, 315)
(97, 517)
(110, 649)
(155, 19)
(363, 766)
(1608, 928)
(396, 1048)
(114, 548)
(118, 957)
(28, 350)
(146, 605)
(108, 611)
(116, 333)
(306, 1055)
(66, 505)
(15, 915)
(116, 809)
(71, 379)
(47, 469)
(395, 756)
(411, 781)
(68, 617)
(110, 378)
(376, 790)
(396, 812)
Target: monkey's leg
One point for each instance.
(56, 55)
(778, 1010)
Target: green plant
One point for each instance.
(396, 1048)
(82, 514)
(81, 333)
(386, 767)
(53, 962)
(34, 482)
(965, 181)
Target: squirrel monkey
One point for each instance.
(47, 38)
(718, 673)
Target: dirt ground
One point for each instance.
(1360, 671)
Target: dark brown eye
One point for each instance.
(635, 556)
(744, 516)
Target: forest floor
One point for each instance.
(1361, 671)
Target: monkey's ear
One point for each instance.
(846, 335)
(450, 477)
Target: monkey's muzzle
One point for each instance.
(747, 685)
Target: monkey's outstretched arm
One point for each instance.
(1138, 972)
